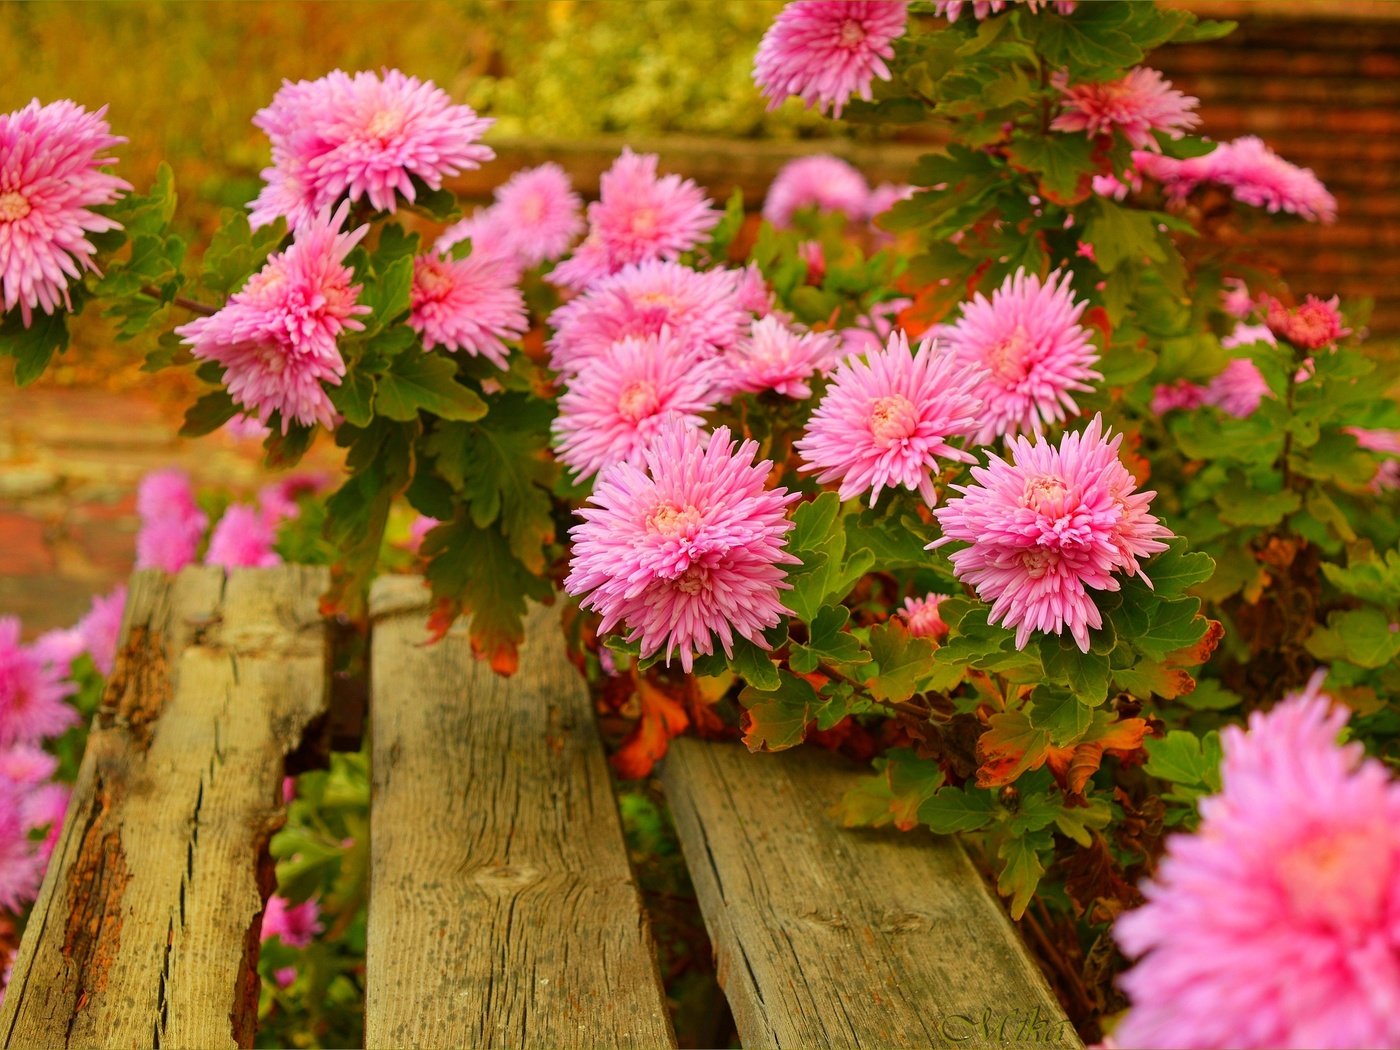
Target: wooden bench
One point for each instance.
(502, 907)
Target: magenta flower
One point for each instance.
(59, 648)
(1258, 176)
(1238, 390)
(26, 765)
(364, 136)
(1313, 325)
(1183, 394)
(751, 292)
(777, 358)
(886, 421)
(1139, 104)
(276, 339)
(687, 548)
(1386, 441)
(885, 196)
(639, 216)
(33, 693)
(819, 181)
(277, 501)
(1048, 527)
(45, 807)
(921, 616)
(297, 925)
(1031, 349)
(171, 522)
(981, 9)
(243, 538)
(1274, 924)
(1235, 299)
(538, 213)
(470, 304)
(51, 178)
(21, 867)
(825, 51)
(101, 628)
(611, 411)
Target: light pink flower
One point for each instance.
(1235, 299)
(21, 868)
(1313, 325)
(921, 616)
(277, 501)
(364, 136)
(45, 807)
(1275, 923)
(1178, 178)
(751, 291)
(825, 51)
(60, 648)
(538, 213)
(886, 420)
(953, 9)
(243, 538)
(819, 181)
(245, 428)
(1048, 527)
(33, 694)
(1238, 390)
(1258, 176)
(639, 216)
(1115, 187)
(51, 178)
(1182, 394)
(885, 196)
(1386, 441)
(418, 531)
(470, 304)
(611, 411)
(1140, 104)
(777, 358)
(1033, 353)
(25, 765)
(1247, 334)
(276, 339)
(297, 925)
(687, 548)
(101, 628)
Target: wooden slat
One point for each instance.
(502, 909)
(827, 937)
(145, 932)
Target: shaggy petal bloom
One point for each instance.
(296, 924)
(1047, 527)
(1277, 923)
(686, 547)
(60, 648)
(366, 136)
(21, 868)
(1247, 335)
(1183, 394)
(1313, 325)
(1032, 352)
(751, 291)
(886, 420)
(470, 304)
(1258, 176)
(45, 807)
(820, 181)
(171, 522)
(1177, 177)
(33, 693)
(1139, 105)
(639, 216)
(101, 628)
(27, 766)
(538, 213)
(775, 357)
(921, 616)
(276, 339)
(1238, 390)
(825, 51)
(51, 178)
(243, 538)
(611, 412)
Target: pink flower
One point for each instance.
(953, 9)
(812, 253)
(33, 693)
(1311, 326)
(825, 51)
(277, 502)
(276, 339)
(245, 428)
(1274, 924)
(777, 358)
(243, 538)
(687, 548)
(886, 420)
(1238, 390)
(1046, 528)
(418, 531)
(538, 214)
(101, 628)
(1248, 334)
(60, 648)
(638, 217)
(1386, 441)
(1183, 394)
(1115, 187)
(469, 304)
(611, 412)
(1031, 349)
(885, 196)
(1258, 176)
(366, 136)
(1139, 104)
(1178, 178)
(50, 179)
(25, 765)
(296, 924)
(45, 807)
(751, 292)
(921, 616)
(819, 181)
(1235, 299)
(171, 522)
(21, 868)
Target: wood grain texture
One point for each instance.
(145, 932)
(502, 908)
(830, 937)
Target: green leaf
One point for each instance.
(755, 665)
(1175, 569)
(1086, 674)
(32, 347)
(390, 293)
(1362, 636)
(428, 382)
(1242, 505)
(777, 719)
(1020, 873)
(1061, 715)
(951, 810)
(353, 398)
(208, 414)
(236, 251)
(903, 661)
(1059, 162)
(1120, 234)
(1184, 758)
(828, 640)
(1368, 576)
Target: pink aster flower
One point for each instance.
(277, 502)
(981, 9)
(1248, 334)
(1258, 176)
(364, 136)
(243, 538)
(921, 616)
(612, 411)
(1235, 299)
(1048, 527)
(1031, 349)
(295, 924)
(470, 304)
(25, 765)
(51, 178)
(1238, 390)
(777, 358)
(1178, 178)
(1274, 924)
(825, 51)
(59, 648)
(1386, 441)
(45, 807)
(245, 428)
(885, 196)
(538, 213)
(686, 547)
(418, 531)
(33, 693)
(1313, 325)
(1139, 104)
(751, 292)
(820, 181)
(639, 216)
(171, 522)
(101, 628)
(1183, 394)
(276, 339)
(21, 868)
(886, 420)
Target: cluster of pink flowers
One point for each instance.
(295, 925)
(470, 304)
(981, 9)
(535, 217)
(1140, 105)
(1236, 391)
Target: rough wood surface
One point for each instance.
(145, 932)
(502, 909)
(828, 937)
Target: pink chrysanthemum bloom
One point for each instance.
(470, 304)
(1238, 390)
(171, 522)
(59, 648)
(921, 616)
(245, 428)
(611, 412)
(21, 868)
(1115, 186)
(639, 216)
(1387, 441)
(295, 924)
(45, 807)
(1258, 176)
(276, 338)
(825, 51)
(1274, 924)
(26, 765)
(243, 538)
(886, 420)
(102, 627)
(1177, 177)
(1183, 394)
(1047, 527)
(702, 310)
(686, 547)
(277, 501)
(418, 531)
(1032, 352)
(1311, 326)
(538, 213)
(820, 181)
(885, 196)
(364, 136)
(751, 292)
(981, 9)
(33, 693)
(777, 358)
(1235, 299)
(1139, 105)
(50, 178)
(1247, 334)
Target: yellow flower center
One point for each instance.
(433, 279)
(852, 33)
(892, 419)
(385, 123)
(1336, 879)
(1044, 494)
(670, 520)
(644, 222)
(13, 207)
(1007, 360)
(638, 400)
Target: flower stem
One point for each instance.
(203, 309)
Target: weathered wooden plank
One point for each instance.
(502, 910)
(828, 937)
(145, 932)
